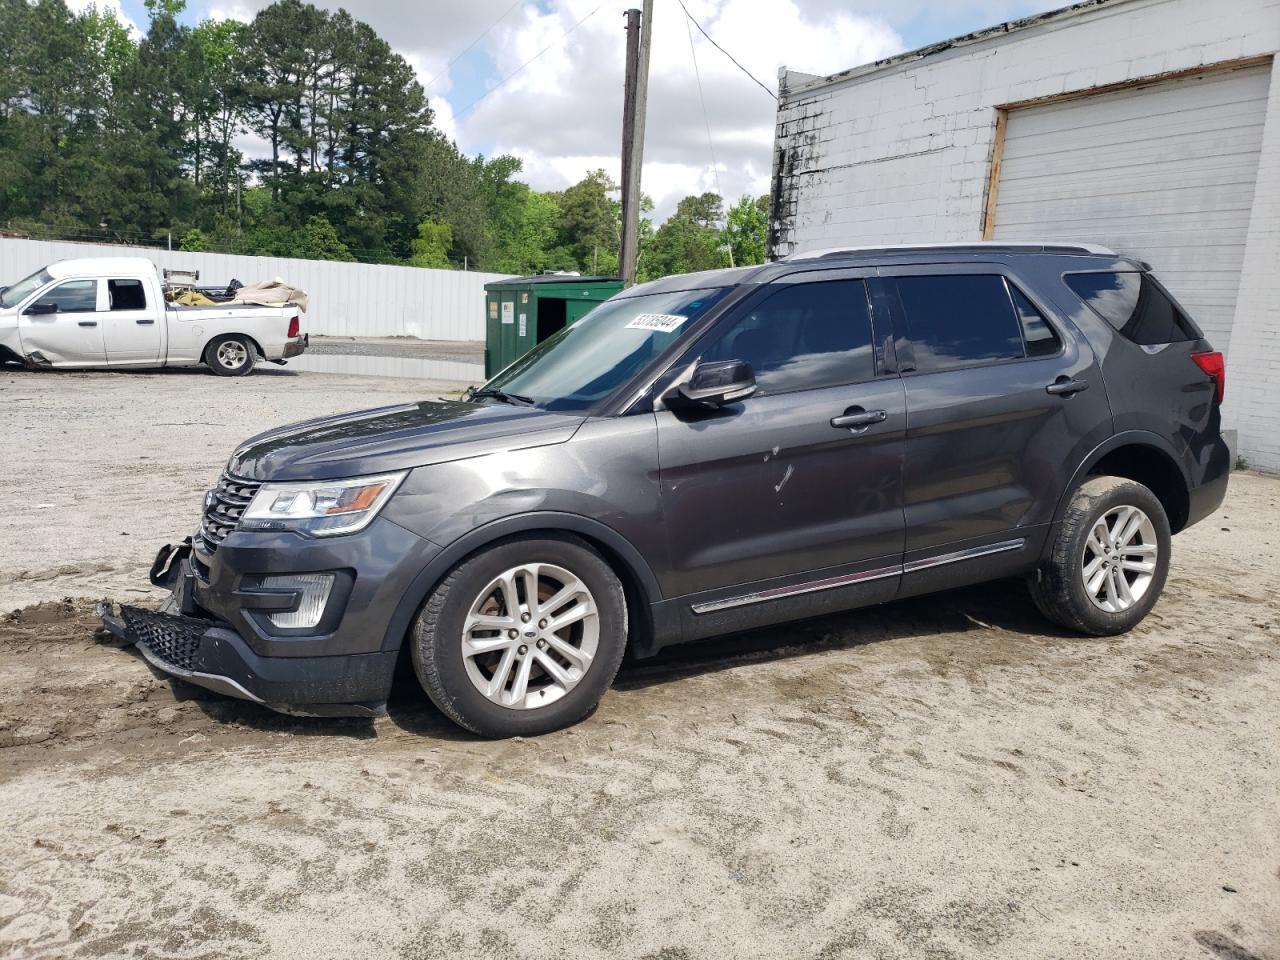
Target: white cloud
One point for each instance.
(108, 6)
(562, 114)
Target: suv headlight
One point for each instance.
(321, 508)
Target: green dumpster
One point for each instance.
(523, 311)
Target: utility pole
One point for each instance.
(635, 95)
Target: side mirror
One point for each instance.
(718, 382)
(42, 306)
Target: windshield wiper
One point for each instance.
(514, 399)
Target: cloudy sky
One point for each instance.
(561, 113)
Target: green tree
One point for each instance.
(109, 136)
(319, 241)
(689, 241)
(590, 225)
(746, 230)
(431, 248)
(194, 240)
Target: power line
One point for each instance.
(488, 30)
(715, 167)
(499, 85)
(725, 52)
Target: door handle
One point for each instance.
(88, 323)
(145, 321)
(855, 418)
(1066, 386)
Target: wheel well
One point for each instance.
(1156, 471)
(639, 615)
(222, 336)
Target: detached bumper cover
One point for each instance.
(212, 655)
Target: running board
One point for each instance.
(862, 576)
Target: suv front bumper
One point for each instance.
(215, 629)
(215, 657)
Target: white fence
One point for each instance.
(346, 299)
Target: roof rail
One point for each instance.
(1047, 246)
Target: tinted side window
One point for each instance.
(957, 321)
(1040, 339)
(804, 336)
(1133, 304)
(126, 295)
(74, 296)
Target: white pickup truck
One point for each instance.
(112, 312)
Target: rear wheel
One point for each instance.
(230, 356)
(522, 638)
(1109, 561)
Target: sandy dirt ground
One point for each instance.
(940, 778)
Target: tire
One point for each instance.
(494, 689)
(230, 356)
(1061, 588)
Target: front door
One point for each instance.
(790, 499)
(999, 397)
(70, 335)
(131, 325)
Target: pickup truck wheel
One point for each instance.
(1109, 560)
(523, 637)
(230, 356)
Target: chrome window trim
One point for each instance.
(862, 576)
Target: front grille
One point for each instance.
(173, 640)
(224, 507)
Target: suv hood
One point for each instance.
(396, 438)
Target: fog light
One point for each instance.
(314, 589)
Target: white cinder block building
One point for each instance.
(1151, 126)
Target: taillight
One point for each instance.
(295, 326)
(1213, 364)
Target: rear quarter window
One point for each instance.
(1134, 305)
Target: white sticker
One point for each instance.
(524, 317)
(662, 322)
(508, 312)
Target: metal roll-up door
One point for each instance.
(1164, 171)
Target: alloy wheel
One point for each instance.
(530, 636)
(1119, 560)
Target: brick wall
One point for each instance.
(1253, 370)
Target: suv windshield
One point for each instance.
(15, 294)
(584, 363)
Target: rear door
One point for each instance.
(131, 324)
(1001, 394)
(71, 335)
(772, 509)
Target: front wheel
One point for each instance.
(230, 356)
(523, 637)
(1109, 560)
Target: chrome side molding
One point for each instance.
(959, 555)
(862, 576)
(813, 586)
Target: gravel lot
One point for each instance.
(942, 778)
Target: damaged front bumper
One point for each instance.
(201, 634)
(215, 629)
(211, 655)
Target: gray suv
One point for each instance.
(707, 454)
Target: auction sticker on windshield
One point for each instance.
(662, 322)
